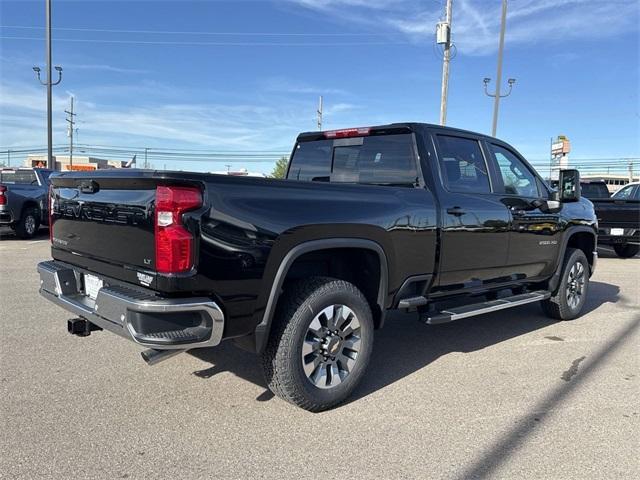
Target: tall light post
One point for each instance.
(49, 84)
(511, 81)
(497, 96)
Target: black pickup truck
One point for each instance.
(23, 199)
(618, 216)
(440, 221)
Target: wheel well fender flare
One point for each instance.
(263, 328)
(29, 204)
(554, 282)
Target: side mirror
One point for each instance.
(569, 186)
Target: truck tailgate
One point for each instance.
(113, 225)
(108, 223)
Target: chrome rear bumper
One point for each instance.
(141, 317)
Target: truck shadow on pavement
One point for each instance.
(405, 345)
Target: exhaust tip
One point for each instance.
(153, 356)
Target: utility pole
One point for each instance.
(630, 171)
(496, 96)
(443, 36)
(146, 164)
(71, 125)
(319, 112)
(8, 158)
(49, 84)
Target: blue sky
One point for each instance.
(246, 75)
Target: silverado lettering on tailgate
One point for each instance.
(125, 215)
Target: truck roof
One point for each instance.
(388, 128)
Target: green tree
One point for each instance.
(280, 169)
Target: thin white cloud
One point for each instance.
(104, 68)
(101, 67)
(476, 23)
(172, 122)
(284, 85)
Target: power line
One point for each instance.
(239, 34)
(215, 44)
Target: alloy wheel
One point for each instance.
(331, 346)
(575, 285)
(30, 225)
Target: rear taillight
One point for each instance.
(3, 195)
(174, 243)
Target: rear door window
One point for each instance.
(462, 164)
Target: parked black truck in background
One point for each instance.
(411, 216)
(618, 216)
(23, 199)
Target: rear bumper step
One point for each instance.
(458, 313)
(154, 322)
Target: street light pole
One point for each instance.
(49, 83)
(496, 100)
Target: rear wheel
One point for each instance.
(626, 251)
(320, 343)
(569, 300)
(28, 224)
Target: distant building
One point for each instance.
(614, 182)
(80, 162)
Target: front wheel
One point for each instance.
(570, 298)
(626, 251)
(320, 343)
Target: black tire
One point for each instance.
(28, 224)
(627, 250)
(561, 306)
(302, 304)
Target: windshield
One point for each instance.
(626, 193)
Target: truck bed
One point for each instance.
(103, 223)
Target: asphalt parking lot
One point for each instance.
(506, 395)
